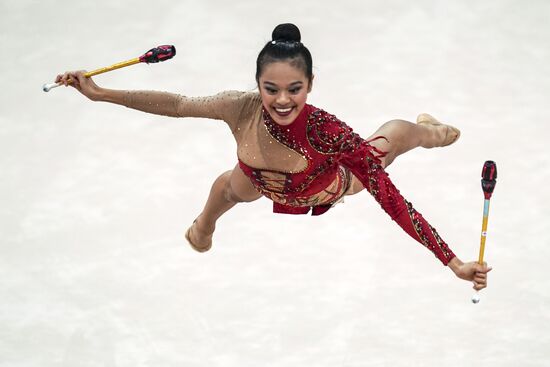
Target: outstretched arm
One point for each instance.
(222, 106)
(362, 160)
(159, 103)
(364, 164)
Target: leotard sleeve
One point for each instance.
(363, 160)
(227, 106)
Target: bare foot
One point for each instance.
(199, 235)
(443, 134)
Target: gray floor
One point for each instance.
(95, 198)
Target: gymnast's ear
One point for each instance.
(310, 86)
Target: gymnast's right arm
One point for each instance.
(222, 106)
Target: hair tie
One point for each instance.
(288, 42)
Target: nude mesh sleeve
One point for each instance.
(225, 106)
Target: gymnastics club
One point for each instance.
(154, 55)
(488, 183)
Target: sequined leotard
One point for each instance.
(303, 166)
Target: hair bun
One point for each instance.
(286, 32)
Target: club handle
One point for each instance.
(486, 206)
(113, 67)
(47, 87)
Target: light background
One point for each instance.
(95, 198)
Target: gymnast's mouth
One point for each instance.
(283, 112)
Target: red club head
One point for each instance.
(488, 178)
(157, 54)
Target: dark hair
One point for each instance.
(285, 45)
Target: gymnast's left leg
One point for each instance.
(402, 136)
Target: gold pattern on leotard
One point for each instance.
(413, 214)
(322, 140)
(442, 245)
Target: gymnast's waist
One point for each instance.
(300, 189)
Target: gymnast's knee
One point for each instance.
(395, 124)
(231, 196)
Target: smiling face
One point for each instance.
(283, 88)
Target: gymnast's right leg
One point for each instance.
(230, 188)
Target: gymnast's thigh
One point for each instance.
(241, 187)
(355, 186)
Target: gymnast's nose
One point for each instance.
(283, 99)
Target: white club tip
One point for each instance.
(47, 87)
(475, 298)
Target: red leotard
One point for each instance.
(328, 143)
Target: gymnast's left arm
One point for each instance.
(363, 160)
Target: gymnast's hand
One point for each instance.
(471, 271)
(84, 85)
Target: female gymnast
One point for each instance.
(299, 156)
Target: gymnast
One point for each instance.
(299, 156)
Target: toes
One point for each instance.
(452, 135)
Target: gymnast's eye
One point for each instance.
(295, 90)
(270, 90)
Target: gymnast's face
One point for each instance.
(283, 88)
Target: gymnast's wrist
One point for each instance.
(455, 264)
(107, 95)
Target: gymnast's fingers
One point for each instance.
(480, 285)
